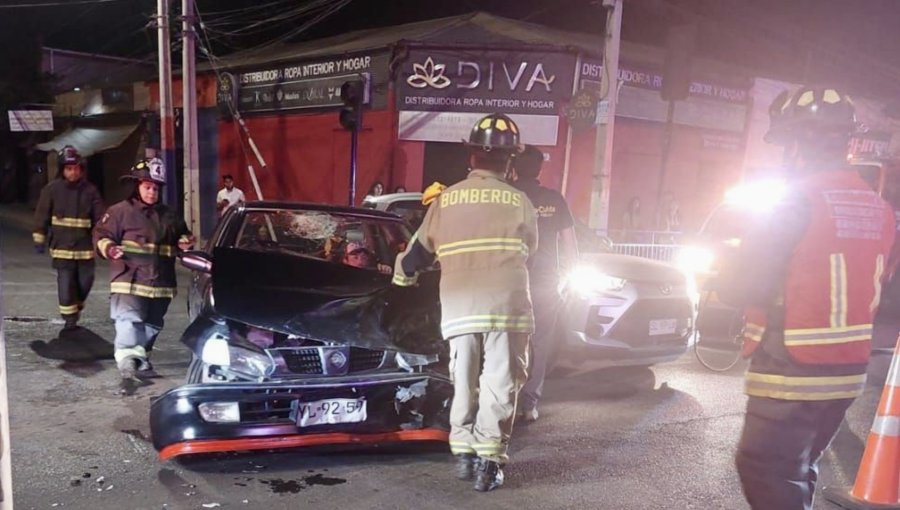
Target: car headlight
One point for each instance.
(588, 281)
(218, 351)
(695, 259)
(408, 361)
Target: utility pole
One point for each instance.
(6, 492)
(603, 143)
(166, 111)
(189, 119)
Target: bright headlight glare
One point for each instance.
(216, 351)
(759, 196)
(694, 259)
(588, 280)
(220, 412)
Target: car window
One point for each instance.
(410, 210)
(343, 238)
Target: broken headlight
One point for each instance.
(218, 351)
(410, 362)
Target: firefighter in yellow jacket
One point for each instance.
(68, 208)
(140, 237)
(808, 276)
(481, 230)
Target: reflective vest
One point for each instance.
(833, 283)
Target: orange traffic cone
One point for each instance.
(878, 479)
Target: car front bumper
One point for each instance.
(400, 407)
(641, 326)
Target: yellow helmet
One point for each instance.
(432, 192)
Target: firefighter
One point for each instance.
(808, 276)
(140, 237)
(69, 206)
(481, 230)
(557, 249)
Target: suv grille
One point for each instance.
(308, 360)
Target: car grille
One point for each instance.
(308, 360)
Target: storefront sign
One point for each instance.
(314, 84)
(483, 82)
(581, 112)
(30, 120)
(454, 127)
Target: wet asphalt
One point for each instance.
(660, 438)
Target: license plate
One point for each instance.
(663, 327)
(331, 411)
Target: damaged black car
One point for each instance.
(299, 338)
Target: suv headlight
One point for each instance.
(218, 351)
(589, 281)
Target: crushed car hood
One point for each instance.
(634, 268)
(321, 300)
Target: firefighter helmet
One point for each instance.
(494, 132)
(810, 110)
(68, 156)
(151, 170)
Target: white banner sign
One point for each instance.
(30, 120)
(455, 126)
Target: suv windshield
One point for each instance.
(342, 238)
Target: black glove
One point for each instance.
(39, 248)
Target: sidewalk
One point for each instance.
(16, 215)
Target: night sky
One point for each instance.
(853, 44)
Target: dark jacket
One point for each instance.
(149, 236)
(65, 214)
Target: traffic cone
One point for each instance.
(878, 479)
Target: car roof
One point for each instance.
(263, 205)
(394, 197)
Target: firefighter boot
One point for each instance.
(128, 367)
(71, 322)
(489, 475)
(145, 369)
(465, 466)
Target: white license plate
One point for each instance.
(331, 411)
(663, 327)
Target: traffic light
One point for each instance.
(352, 97)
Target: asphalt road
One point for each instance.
(614, 439)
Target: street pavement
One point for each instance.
(660, 438)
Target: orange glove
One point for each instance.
(432, 192)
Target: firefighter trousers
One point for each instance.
(74, 279)
(544, 342)
(488, 370)
(780, 447)
(138, 322)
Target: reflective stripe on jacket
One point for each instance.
(481, 230)
(148, 236)
(834, 277)
(64, 216)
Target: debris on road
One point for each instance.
(211, 505)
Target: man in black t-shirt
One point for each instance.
(556, 249)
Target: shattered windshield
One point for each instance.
(359, 241)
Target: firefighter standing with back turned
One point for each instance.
(808, 276)
(68, 208)
(140, 237)
(482, 231)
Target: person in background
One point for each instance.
(229, 195)
(556, 250)
(400, 189)
(376, 190)
(632, 224)
(68, 208)
(141, 237)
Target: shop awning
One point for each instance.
(90, 140)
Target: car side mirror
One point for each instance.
(196, 260)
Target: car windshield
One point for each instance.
(410, 210)
(343, 238)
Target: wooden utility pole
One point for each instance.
(166, 110)
(189, 119)
(603, 143)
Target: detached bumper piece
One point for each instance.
(289, 414)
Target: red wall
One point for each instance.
(308, 156)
